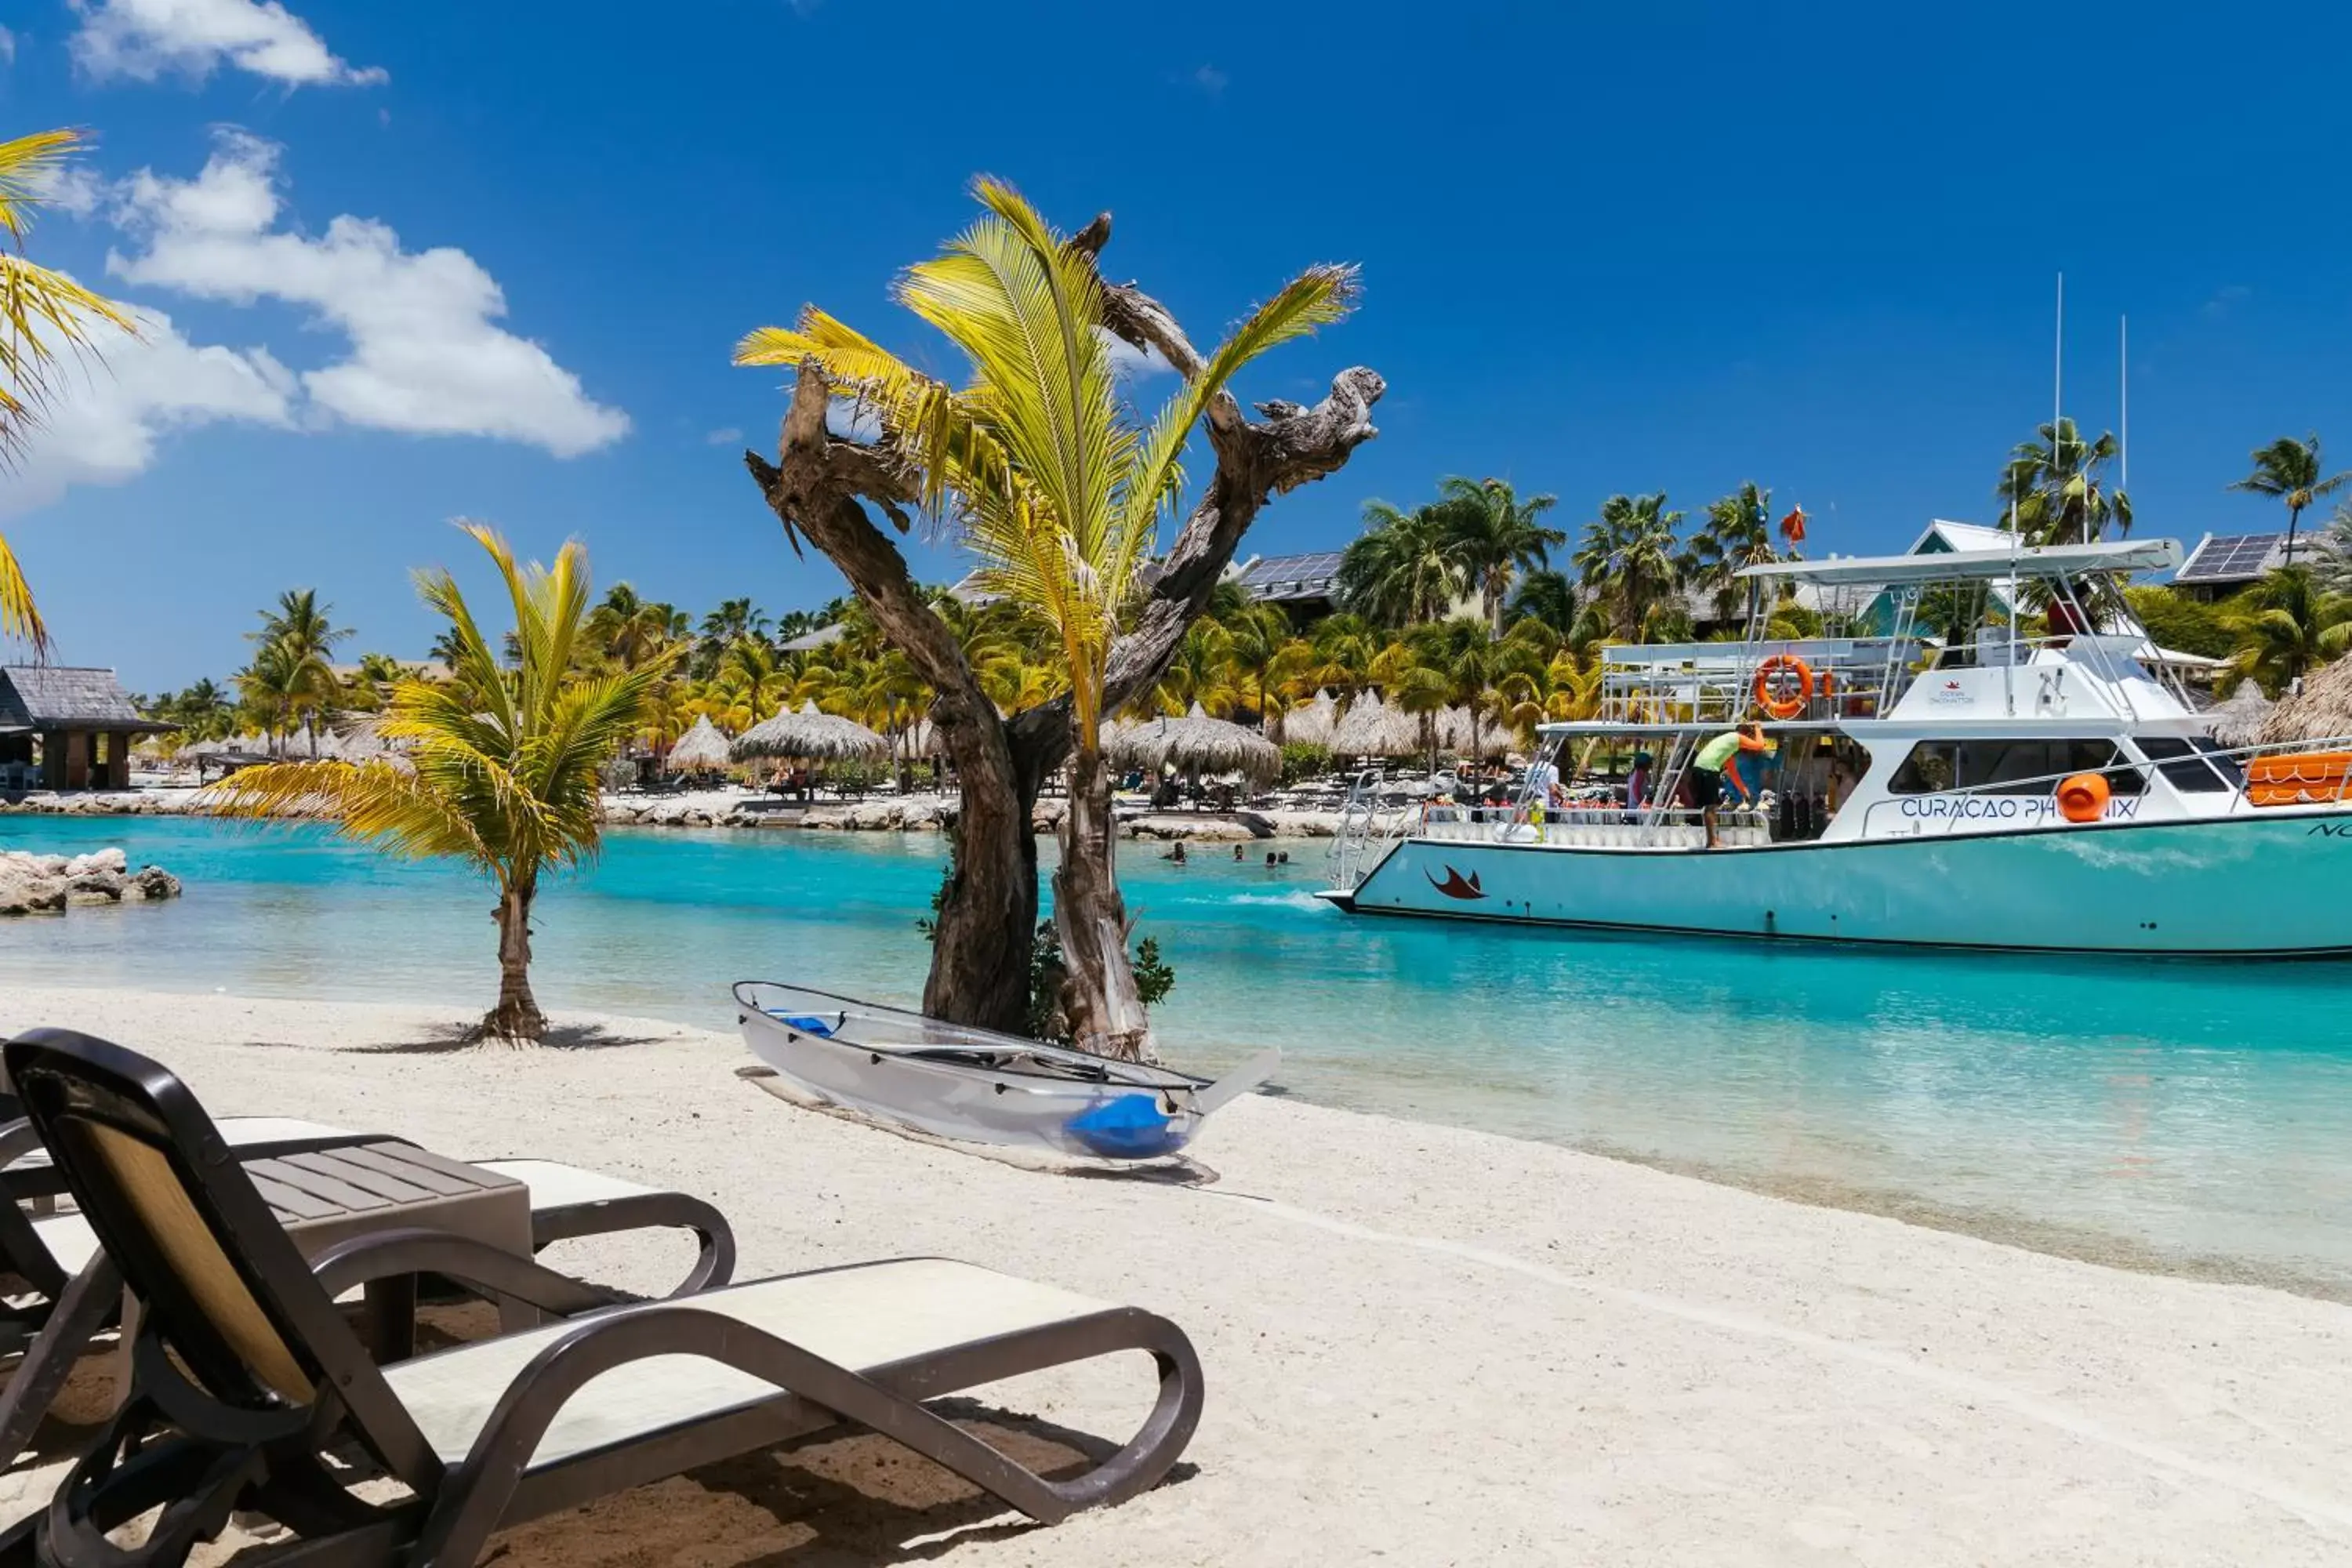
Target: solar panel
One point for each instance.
(2232, 558)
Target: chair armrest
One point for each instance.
(714, 1267)
(476, 1265)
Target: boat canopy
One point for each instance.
(2044, 561)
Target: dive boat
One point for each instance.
(977, 1085)
(1978, 789)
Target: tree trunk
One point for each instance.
(516, 1017)
(1098, 994)
(1495, 586)
(820, 486)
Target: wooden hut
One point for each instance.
(81, 723)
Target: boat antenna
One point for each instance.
(2122, 403)
(2058, 405)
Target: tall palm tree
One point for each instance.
(45, 316)
(291, 682)
(2331, 562)
(1629, 554)
(2053, 483)
(502, 766)
(2286, 624)
(1060, 492)
(1548, 596)
(1265, 656)
(1405, 567)
(1738, 534)
(1496, 536)
(2290, 469)
(631, 630)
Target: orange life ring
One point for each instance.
(1765, 674)
(2082, 797)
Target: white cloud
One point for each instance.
(7, 48)
(108, 415)
(426, 356)
(1131, 364)
(1210, 81)
(725, 436)
(144, 39)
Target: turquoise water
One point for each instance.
(2182, 1114)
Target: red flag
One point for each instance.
(1793, 527)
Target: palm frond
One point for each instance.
(19, 615)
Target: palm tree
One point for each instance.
(2052, 483)
(722, 627)
(2290, 469)
(1548, 596)
(1738, 534)
(503, 765)
(1629, 554)
(1405, 567)
(45, 316)
(289, 684)
(1264, 655)
(1060, 492)
(631, 630)
(1496, 536)
(2331, 562)
(2286, 624)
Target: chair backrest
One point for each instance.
(224, 1286)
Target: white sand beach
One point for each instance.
(1423, 1345)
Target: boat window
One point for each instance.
(1932, 766)
(2010, 766)
(2183, 765)
(2221, 760)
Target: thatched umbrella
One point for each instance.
(2239, 721)
(808, 736)
(2320, 711)
(702, 749)
(1371, 729)
(1195, 743)
(1314, 724)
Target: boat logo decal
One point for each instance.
(2324, 829)
(1950, 692)
(1456, 886)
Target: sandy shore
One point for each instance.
(1423, 1345)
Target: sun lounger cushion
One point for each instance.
(554, 1185)
(860, 1318)
(68, 1238)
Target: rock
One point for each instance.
(155, 882)
(31, 883)
(98, 861)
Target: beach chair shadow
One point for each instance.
(248, 1377)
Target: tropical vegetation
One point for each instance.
(500, 762)
(44, 317)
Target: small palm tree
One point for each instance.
(503, 763)
(1264, 655)
(2290, 469)
(1738, 534)
(2051, 482)
(1406, 567)
(1630, 555)
(1497, 537)
(2286, 624)
(45, 316)
(1060, 492)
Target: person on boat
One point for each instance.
(1637, 782)
(1718, 761)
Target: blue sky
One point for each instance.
(1604, 249)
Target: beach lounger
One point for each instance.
(248, 1376)
(70, 1295)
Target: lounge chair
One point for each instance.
(247, 1375)
(71, 1293)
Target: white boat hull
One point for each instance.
(2266, 886)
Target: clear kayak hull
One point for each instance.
(953, 1081)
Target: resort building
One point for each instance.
(67, 729)
(1305, 585)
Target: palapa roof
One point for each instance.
(1195, 742)
(808, 736)
(2320, 711)
(1371, 729)
(703, 747)
(2239, 721)
(1312, 724)
(50, 696)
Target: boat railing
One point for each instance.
(1368, 824)
(1715, 683)
(1590, 823)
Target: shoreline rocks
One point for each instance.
(45, 884)
(924, 812)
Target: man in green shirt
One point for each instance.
(1716, 761)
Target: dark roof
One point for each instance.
(39, 695)
(2239, 557)
(1289, 578)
